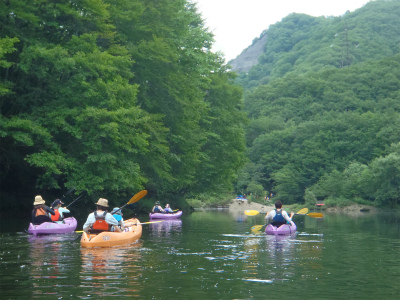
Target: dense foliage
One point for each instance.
(301, 43)
(112, 97)
(324, 121)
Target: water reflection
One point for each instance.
(49, 254)
(165, 228)
(212, 256)
(51, 259)
(111, 271)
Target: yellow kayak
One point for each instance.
(131, 233)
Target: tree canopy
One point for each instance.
(114, 96)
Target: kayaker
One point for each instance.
(168, 209)
(100, 220)
(278, 216)
(59, 211)
(157, 208)
(117, 214)
(41, 213)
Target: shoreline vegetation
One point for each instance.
(239, 206)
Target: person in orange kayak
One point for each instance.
(117, 214)
(41, 213)
(59, 211)
(101, 220)
(278, 216)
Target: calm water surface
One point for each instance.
(212, 255)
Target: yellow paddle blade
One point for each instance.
(150, 222)
(137, 197)
(79, 231)
(302, 211)
(251, 212)
(257, 227)
(315, 215)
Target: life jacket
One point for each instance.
(40, 216)
(156, 209)
(100, 224)
(57, 216)
(40, 212)
(278, 220)
(117, 217)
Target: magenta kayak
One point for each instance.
(176, 215)
(69, 225)
(281, 230)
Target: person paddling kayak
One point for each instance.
(278, 216)
(117, 214)
(41, 213)
(157, 208)
(101, 220)
(168, 209)
(59, 211)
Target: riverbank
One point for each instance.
(241, 206)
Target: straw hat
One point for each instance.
(102, 202)
(39, 200)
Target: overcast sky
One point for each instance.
(235, 23)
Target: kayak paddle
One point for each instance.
(74, 200)
(300, 212)
(67, 193)
(134, 199)
(81, 231)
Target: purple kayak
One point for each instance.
(69, 225)
(281, 230)
(176, 215)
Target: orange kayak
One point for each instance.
(133, 232)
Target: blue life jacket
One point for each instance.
(156, 209)
(278, 219)
(117, 217)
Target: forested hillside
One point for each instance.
(301, 43)
(324, 109)
(112, 97)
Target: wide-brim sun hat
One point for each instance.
(39, 200)
(117, 213)
(102, 202)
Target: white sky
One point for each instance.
(235, 23)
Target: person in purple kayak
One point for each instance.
(168, 209)
(41, 213)
(157, 208)
(278, 216)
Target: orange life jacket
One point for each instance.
(40, 212)
(57, 216)
(100, 224)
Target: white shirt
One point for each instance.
(272, 214)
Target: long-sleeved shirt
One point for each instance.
(91, 219)
(47, 210)
(62, 210)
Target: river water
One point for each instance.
(211, 255)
